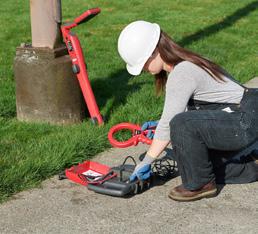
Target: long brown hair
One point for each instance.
(172, 54)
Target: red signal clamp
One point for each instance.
(137, 135)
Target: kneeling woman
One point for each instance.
(205, 109)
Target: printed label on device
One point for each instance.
(92, 173)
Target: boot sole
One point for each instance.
(207, 194)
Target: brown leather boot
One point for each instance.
(179, 193)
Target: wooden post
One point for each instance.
(46, 18)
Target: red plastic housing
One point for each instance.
(74, 173)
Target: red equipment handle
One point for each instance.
(79, 67)
(78, 63)
(137, 135)
(87, 15)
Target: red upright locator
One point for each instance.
(78, 62)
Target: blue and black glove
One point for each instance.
(149, 125)
(143, 170)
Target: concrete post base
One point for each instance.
(46, 88)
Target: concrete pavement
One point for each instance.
(65, 207)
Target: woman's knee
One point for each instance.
(179, 121)
(179, 125)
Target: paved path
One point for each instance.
(64, 207)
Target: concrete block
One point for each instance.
(46, 88)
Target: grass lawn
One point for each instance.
(223, 30)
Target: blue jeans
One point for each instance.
(195, 133)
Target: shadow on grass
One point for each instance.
(114, 88)
(215, 28)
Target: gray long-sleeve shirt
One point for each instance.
(186, 81)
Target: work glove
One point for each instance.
(143, 170)
(148, 126)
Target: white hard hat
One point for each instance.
(136, 44)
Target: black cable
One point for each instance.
(164, 168)
(130, 158)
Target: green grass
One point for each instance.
(224, 31)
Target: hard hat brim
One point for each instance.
(137, 69)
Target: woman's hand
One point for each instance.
(149, 125)
(143, 170)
